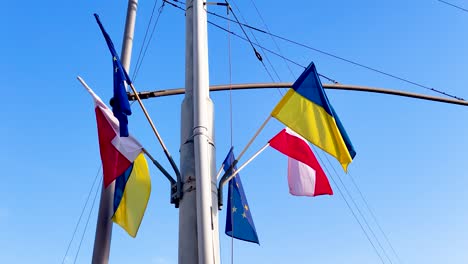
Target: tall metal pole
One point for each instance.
(203, 136)
(102, 240)
(188, 248)
(198, 215)
(127, 43)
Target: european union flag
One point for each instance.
(239, 222)
(119, 103)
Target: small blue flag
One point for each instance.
(239, 222)
(119, 103)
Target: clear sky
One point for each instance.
(411, 154)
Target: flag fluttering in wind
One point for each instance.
(305, 175)
(239, 222)
(306, 110)
(120, 105)
(124, 162)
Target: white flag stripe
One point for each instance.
(301, 178)
(127, 146)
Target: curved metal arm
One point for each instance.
(168, 92)
(174, 183)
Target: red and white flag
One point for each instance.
(305, 175)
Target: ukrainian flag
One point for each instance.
(306, 110)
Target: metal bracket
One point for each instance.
(216, 3)
(223, 181)
(176, 186)
(226, 4)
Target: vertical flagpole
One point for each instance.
(207, 218)
(198, 224)
(103, 235)
(188, 247)
(127, 43)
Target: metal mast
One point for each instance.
(102, 240)
(198, 212)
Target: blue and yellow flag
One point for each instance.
(120, 104)
(132, 192)
(239, 222)
(306, 110)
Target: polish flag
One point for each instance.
(305, 175)
(117, 153)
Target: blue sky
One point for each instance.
(411, 154)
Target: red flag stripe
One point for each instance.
(114, 163)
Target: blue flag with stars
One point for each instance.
(239, 222)
(119, 103)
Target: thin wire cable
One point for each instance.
(349, 207)
(256, 40)
(264, 53)
(259, 57)
(137, 68)
(239, 36)
(359, 210)
(87, 221)
(322, 52)
(230, 81)
(144, 38)
(276, 45)
(256, 44)
(230, 112)
(257, 54)
(375, 218)
(344, 59)
(82, 212)
(266, 69)
(272, 52)
(450, 4)
(328, 78)
(242, 28)
(273, 39)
